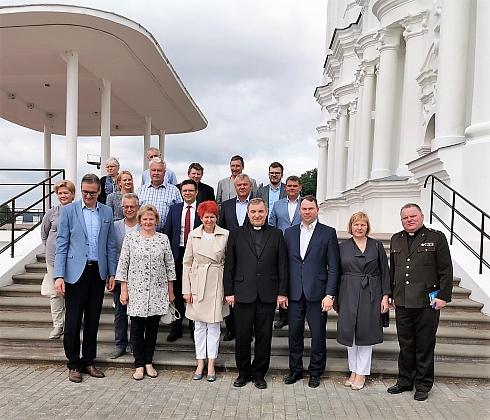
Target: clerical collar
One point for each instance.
(257, 227)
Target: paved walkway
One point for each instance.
(38, 392)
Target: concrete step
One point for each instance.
(28, 278)
(41, 257)
(40, 303)
(37, 267)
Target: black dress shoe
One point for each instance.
(420, 395)
(242, 380)
(174, 335)
(293, 377)
(259, 383)
(314, 381)
(117, 353)
(398, 389)
(280, 323)
(229, 336)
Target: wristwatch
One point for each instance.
(331, 297)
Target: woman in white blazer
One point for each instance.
(202, 286)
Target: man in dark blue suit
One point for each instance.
(181, 219)
(314, 270)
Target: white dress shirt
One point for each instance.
(305, 237)
(182, 220)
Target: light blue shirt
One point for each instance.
(241, 210)
(273, 197)
(92, 225)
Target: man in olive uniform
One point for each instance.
(420, 263)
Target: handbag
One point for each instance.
(172, 315)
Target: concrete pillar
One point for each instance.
(47, 161)
(452, 72)
(321, 187)
(411, 133)
(71, 116)
(161, 143)
(105, 122)
(331, 157)
(386, 101)
(357, 155)
(352, 145)
(340, 155)
(147, 141)
(366, 124)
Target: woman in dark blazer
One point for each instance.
(363, 297)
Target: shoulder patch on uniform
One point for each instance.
(435, 231)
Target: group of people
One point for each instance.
(238, 256)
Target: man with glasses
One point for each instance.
(85, 260)
(181, 219)
(275, 190)
(169, 178)
(130, 207)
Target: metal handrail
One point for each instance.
(455, 212)
(47, 192)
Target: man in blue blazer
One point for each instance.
(285, 214)
(314, 270)
(275, 189)
(85, 260)
(176, 231)
(130, 207)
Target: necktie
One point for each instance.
(187, 224)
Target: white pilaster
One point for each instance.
(161, 143)
(71, 116)
(352, 141)
(331, 157)
(357, 155)
(452, 73)
(389, 40)
(105, 122)
(147, 141)
(340, 155)
(366, 124)
(411, 133)
(321, 186)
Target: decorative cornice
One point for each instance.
(388, 39)
(322, 142)
(344, 90)
(415, 24)
(364, 42)
(382, 7)
(323, 93)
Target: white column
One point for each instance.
(386, 102)
(321, 186)
(71, 116)
(47, 156)
(411, 133)
(161, 143)
(331, 157)
(105, 123)
(147, 141)
(357, 156)
(352, 145)
(366, 124)
(340, 155)
(452, 72)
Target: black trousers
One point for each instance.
(120, 320)
(179, 298)
(256, 316)
(416, 329)
(83, 300)
(317, 321)
(144, 332)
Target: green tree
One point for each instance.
(308, 182)
(5, 213)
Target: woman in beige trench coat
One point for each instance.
(202, 286)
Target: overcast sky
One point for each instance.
(250, 65)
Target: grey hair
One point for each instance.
(112, 160)
(158, 160)
(243, 176)
(409, 206)
(255, 201)
(132, 195)
(153, 148)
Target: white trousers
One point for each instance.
(206, 337)
(360, 359)
(56, 301)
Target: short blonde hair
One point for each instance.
(64, 183)
(148, 209)
(119, 177)
(356, 217)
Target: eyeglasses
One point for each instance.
(129, 207)
(275, 173)
(90, 193)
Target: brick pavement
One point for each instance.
(38, 392)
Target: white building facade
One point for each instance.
(405, 94)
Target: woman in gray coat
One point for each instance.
(363, 297)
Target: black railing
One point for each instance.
(10, 208)
(455, 212)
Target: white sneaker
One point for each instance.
(56, 333)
